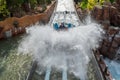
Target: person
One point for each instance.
(62, 26)
(56, 26)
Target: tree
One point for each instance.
(3, 9)
(112, 1)
(48, 1)
(89, 4)
(14, 3)
(41, 1)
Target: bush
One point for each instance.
(89, 4)
(3, 9)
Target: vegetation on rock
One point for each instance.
(89, 4)
(3, 8)
(18, 8)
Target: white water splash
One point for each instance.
(69, 49)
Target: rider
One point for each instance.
(62, 26)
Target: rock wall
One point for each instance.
(109, 13)
(110, 43)
(18, 25)
(103, 67)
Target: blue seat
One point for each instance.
(56, 27)
(69, 25)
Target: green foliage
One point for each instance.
(83, 4)
(48, 1)
(41, 1)
(13, 6)
(3, 9)
(89, 4)
(112, 1)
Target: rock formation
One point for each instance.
(111, 43)
(108, 12)
(109, 15)
(25, 21)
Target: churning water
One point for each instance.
(69, 50)
(64, 50)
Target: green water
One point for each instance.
(6, 45)
(13, 66)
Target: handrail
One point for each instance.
(51, 19)
(32, 71)
(97, 68)
(64, 75)
(47, 75)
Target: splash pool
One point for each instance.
(114, 68)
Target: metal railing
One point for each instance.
(32, 71)
(51, 19)
(98, 72)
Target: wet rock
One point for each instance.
(112, 52)
(106, 24)
(106, 15)
(97, 13)
(111, 43)
(113, 15)
(117, 40)
(1, 28)
(106, 43)
(115, 44)
(118, 2)
(112, 31)
(107, 3)
(118, 19)
(108, 12)
(104, 50)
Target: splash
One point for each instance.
(69, 50)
